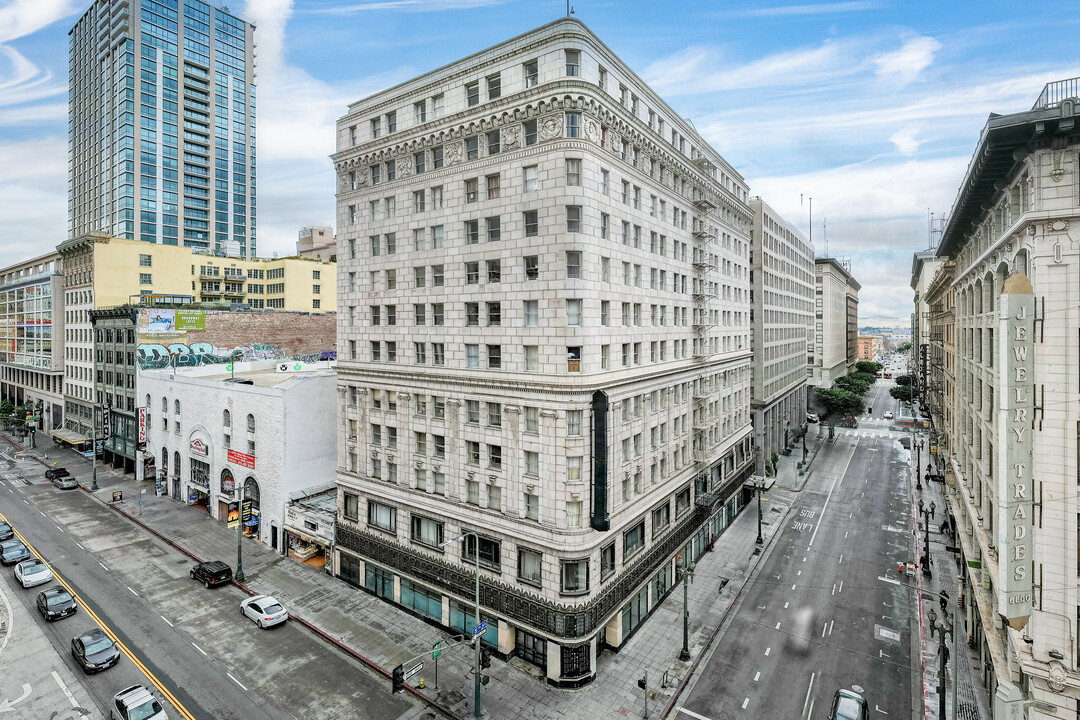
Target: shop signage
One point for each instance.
(142, 424)
(1015, 429)
(106, 421)
(118, 496)
(245, 509)
(228, 484)
(190, 319)
(234, 514)
(242, 459)
(197, 446)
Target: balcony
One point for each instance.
(209, 274)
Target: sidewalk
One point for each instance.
(384, 634)
(974, 702)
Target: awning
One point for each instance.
(70, 436)
(321, 542)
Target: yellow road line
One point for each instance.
(184, 712)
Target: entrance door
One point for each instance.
(273, 536)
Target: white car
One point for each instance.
(136, 703)
(888, 415)
(33, 572)
(264, 610)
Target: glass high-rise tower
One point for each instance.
(161, 125)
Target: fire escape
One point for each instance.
(704, 318)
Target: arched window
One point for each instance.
(176, 463)
(164, 406)
(251, 423)
(177, 405)
(147, 406)
(165, 461)
(226, 419)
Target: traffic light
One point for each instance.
(642, 684)
(485, 658)
(398, 680)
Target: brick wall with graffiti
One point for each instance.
(222, 336)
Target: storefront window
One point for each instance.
(419, 598)
(531, 648)
(378, 581)
(462, 617)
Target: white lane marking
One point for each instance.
(60, 528)
(841, 586)
(834, 588)
(804, 558)
(42, 514)
(80, 546)
(199, 649)
(132, 591)
(785, 605)
(831, 626)
(824, 628)
(103, 566)
(26, 501)
(845, 534)
(692, 714)
(777, 626)
(236, 681)
(745, 702)
(768, 650)
(757, 676)
(166, 620)
(808, 691)
(811, 713)
(798, 573)
(792, 587)
(70, 697)
(880, 710)
(841, 559)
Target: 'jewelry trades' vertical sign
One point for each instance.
(1015, 429)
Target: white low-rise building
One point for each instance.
(266, 428)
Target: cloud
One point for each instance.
(407, 6)
(791, 10)
(22, 81)
(904, 65)
(25, 17)
(905, 141)
(35, 197)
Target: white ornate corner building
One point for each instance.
(1009, 361)
(543, 340)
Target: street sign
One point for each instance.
(413, 670)
(106, 421)
(436, 650)
(479, 630)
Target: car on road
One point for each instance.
(136, 703)
(211, 574)
(811, 417)
(888, 415)
(6, 533)
(802, 630)
(56, 603)
(33, 572)
(56, 472)
(65, 483)
(264, 610)
(849, 705)
(13, 551)
(94, 651)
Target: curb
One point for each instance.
(719, 626)
(371, 665)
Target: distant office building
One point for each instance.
(782, 318)
(161, 125)
(32, 338)
(544, 346)
(870, 348)
(317, 243)
(836, 321)
(924, 266)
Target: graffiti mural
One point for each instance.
(154, 356)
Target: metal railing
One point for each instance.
(1054, 93)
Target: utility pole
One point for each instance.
(685, 572)
(476, 622)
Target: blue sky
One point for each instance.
(873, 108)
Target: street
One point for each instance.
(817, 617)
(204, 658)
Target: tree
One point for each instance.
(868, 378)
(6, 408)
(838, 401)
(852, 384)
(904, 347)
(902, 392)
(904, 379)
(868, 366)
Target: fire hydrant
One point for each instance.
(420, 684)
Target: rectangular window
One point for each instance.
(573, 469)
(352, 505)
(494, 229)
(532, 419)
(419, 277)
(437, 316)
(494, 271)
(574, 574)
(532, 358)
(532, 507)
(437, 157)
(573, 125)
(420, 112)
(493, 143)
(438, 356)
(494, 313)
(573, 264)
(573, 312)
(472, 190)
(633, 540)
(529, 178)
(532, 462)
(426, 531)
(472, 411)
(494, 87)
(494, 355)
(472, 314)
(492, 187)
(573, 171)
(531, 72)
(532, 223)
(472, 356)
(438, 278)
(472, 232)
(418, 200)
(472, 94)
(573, 63)
(380, 516)
(532, 267)
(391, 122)
(573, 218)
(573, 423)
(530, 564)
(605, 312)
(438, 103)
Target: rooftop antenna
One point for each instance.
(569, 10)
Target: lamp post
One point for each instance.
(759, 486)
(942, 629)
(239, 533)
(476, 621)
(93, 456)
(918, 458)
(926, 544)
(684, 572)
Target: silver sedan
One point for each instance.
(264, 611)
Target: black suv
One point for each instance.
(211, 574)
(57, 472)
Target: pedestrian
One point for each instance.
(944, 599)
(920, 506)
(932, 508)
(945, 526)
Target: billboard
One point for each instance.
(188, 319)
(168, 320)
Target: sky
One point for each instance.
(872, 108)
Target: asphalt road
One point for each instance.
(193, 642)
(817, 617)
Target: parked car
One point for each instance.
(211, 574)
(13, 551)
(33, 572)
(65, 483)
(6, 533)
(888, 415)
(56, 603)
(136, 703)
(811, 417)
(264, 610)
(53, 473)
(849, 705)
(94, 651)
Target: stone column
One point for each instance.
(455, 485)
(548, 487)
(512, 432)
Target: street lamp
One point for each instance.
(93, 449)
(942, 629)
(240, 533)
(926, 543)
(476, 622)
(684, 571)
(918, 459)
(759, 486)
